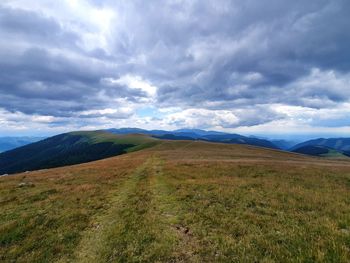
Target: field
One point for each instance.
(180, 201)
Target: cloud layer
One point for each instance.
(248, 65)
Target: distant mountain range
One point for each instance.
(284, 144)
(321, 151)
(196, 134)
(333, 147)
(9, 143)
(79, 147)
(193, 133)
(340, 144)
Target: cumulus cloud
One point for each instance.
(207, 64)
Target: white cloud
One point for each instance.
(202, 118)
(134, 82)
(113, 113)
(91, 22)
(43, 119)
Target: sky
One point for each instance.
(273, 67)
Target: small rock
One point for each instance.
(26, 184)
(345, 231)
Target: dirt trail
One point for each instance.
(141, 223)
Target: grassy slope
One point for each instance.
(180, 202)
(140, 141)
(320, 151)
(71, 148)
(334, 154)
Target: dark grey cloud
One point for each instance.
(282, 45)
(200, 45)
(35, 28)
(214, 55)
(43, 71)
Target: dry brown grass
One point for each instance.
(180, 202)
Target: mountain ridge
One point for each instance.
(198, 134)
(70, 148)
(341, 144)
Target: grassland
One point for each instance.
(180, 202)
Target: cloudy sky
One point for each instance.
(254, 67)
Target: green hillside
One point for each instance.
(320, 151)
(71, 148)
(334, 154)
(339, 144)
